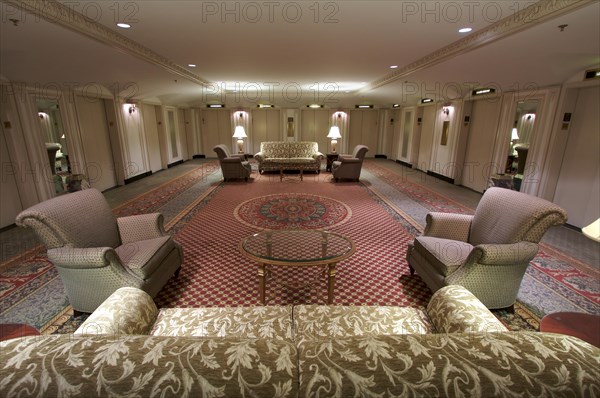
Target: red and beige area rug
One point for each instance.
(215, 273)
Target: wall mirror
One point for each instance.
(521, 136)
(54, 138)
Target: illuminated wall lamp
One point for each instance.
(132, 108)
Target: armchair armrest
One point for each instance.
(127, 311)
(343, 156)
(260, 156)
(503, 254)
(350, 160)
(448, 226)
(232, 159)
(140, 227)
(84, 258)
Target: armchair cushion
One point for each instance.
(144, 257)
(444, 255)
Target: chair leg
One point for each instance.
(412, 270)
(77, 313)
(177, 272)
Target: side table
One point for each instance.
(331, 157)
(584, 326)
(13, 330)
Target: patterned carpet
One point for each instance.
(381, 215)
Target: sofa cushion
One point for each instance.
(523, 364)
(331, 322)
(445, 255)
(272, 322)
(147, 366)
(454, 309)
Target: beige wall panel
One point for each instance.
(577, 190)
(9, 193)
(96, 144)
(152, 141)
(426, 142)
(480, 145)
(355, 130)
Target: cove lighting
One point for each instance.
(396, 106)
(264, 106)
(123, 25)
(465, 30)
(192, 65)
(426, 100)
(481, 91)
(215, 106)
(394, 67)
(364, 106)
(314, 106)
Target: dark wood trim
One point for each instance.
(199, 156)
(380, 156)
(403, 163)
(441, 177)
(177, 163)
(138, 177)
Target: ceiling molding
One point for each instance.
(537, 13)
(59, 14)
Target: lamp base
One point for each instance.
(240, 146)
(333, 146)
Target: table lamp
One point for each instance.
(334, 134)
(240, 134)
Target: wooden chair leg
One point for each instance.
(177, 272)
(412, 270)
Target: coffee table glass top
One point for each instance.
(309, 246)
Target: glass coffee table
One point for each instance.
(297, 248)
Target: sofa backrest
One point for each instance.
(288, 149)
(507, 216)
(78, 219)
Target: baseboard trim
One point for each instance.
(403, 163)
(177, 163)
(441, 177)
(380, 156)
(137, 177)
(200, 156)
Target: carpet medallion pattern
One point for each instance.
(292, 211)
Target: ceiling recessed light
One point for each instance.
(465, 30)
(123, 25)
(393, 66)
(192, 65)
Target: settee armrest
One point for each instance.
(259, 156)
(84, 258)
(448, 226)
(318, 156)
(454, 309)
(127, 311)
(140, 227)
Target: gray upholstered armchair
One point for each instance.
(232, 165)
(96, 253)
(349, 166)
(488, 252)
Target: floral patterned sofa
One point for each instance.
(286, 155)
(128, 347)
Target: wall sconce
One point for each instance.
(240, 134)
(334, 134)
(131, 108)
(446, 109)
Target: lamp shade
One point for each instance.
(514, 135)
(239, 132)
(334, 133)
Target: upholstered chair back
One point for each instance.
(78, 219)
(360, 151)
(222, 151)
(507, 216)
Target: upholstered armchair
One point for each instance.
(488, 252)
(232, 165)
(96, 253)
(349, 166)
